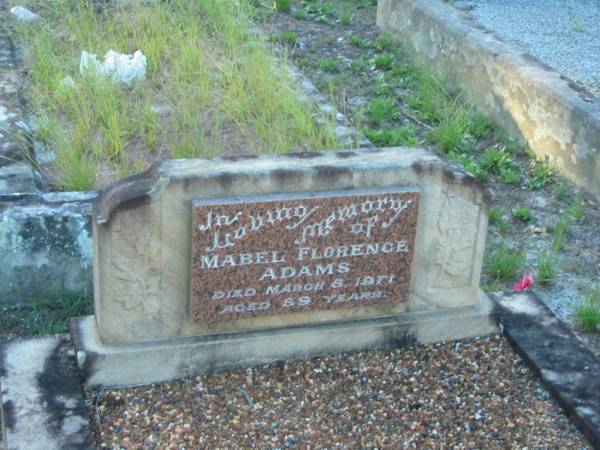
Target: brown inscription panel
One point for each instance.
(278, 254)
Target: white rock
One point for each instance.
(23, 14)
(121, 68)
(88, 63)
(68, 82)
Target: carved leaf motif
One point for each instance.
(458, 228)
(136, 265)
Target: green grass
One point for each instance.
(509, 175)
(455, 126)
(384, 61)
(522, 213)
(587, 312)
(498, 219)
(383, 88)
(44, 318)
(503, 263)
(299, 14)
(359, 65)
(541, 174)
(479, 125)
(561, 191)
(282, 5)
(317, 11)
(449, 135)
(384, 42)
(469, 162)
(561, 230)
(500, 163)
(577, 210)
(494, 286)
(400, 136)
(357, 41)
(430, 100)
(287, 37)
(206, 67)
(345, 17)
(547, 269)
(330, 65)
(381, 109)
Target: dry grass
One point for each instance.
(213, 87)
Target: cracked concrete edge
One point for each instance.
(558, 119)
(567, 368)
(42, 397)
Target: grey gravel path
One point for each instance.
(565, 34)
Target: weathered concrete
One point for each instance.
(557, 118)
(142, 235)
(168, 359)
(42, 397)
(46, 248)
(568, 369)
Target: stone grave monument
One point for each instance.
(206, 265)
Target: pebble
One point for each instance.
(472, 394)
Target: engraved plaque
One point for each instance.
(277, 254)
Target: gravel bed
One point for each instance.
(469, 394)
(565, 34)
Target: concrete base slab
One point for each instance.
(42, 399)
(155, 361)
(568, 369)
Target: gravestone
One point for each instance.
(205, 265)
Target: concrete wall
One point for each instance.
(557, 118)
(46, 249)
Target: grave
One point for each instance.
(207, 265)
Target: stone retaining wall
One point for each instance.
(558, 119)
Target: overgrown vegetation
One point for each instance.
(547, 269)
(212, 84)
(522, 213)
(497, 218)
(560, 233)
(587, 312)
(504, 263)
